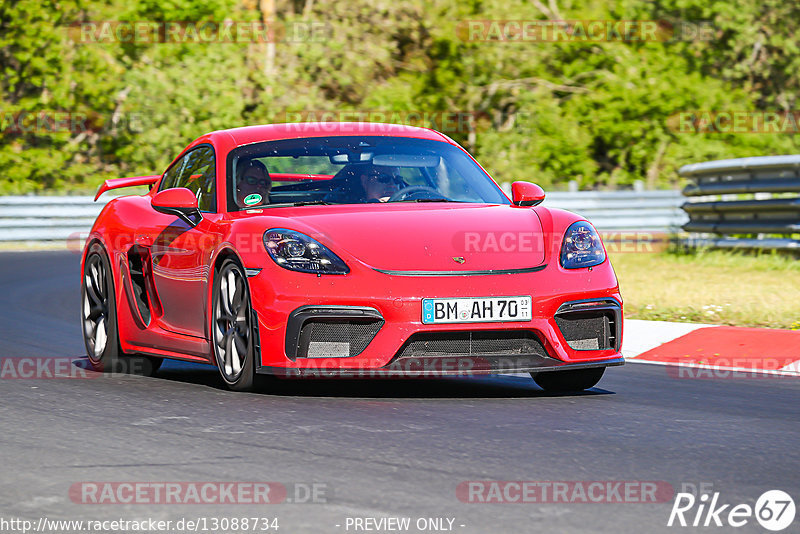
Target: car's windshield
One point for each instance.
(354, 170)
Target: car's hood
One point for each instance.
(425, 237)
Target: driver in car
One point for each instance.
(379, 185)
(253, 184)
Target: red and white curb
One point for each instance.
(726, 349)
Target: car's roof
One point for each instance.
(271, 132)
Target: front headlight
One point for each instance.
(298, 252)
(581, 247)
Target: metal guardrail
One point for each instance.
(746, 200)
(625, 211)
(46, 218)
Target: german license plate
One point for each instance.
(476, 310)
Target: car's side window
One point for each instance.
(196, 172)
(170, 177)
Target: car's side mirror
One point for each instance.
(178, 201)
(526, 194)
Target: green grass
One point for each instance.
(715, 287)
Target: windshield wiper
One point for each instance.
(429, 200)
(311, 203)
(293, 204)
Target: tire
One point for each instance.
(99, 320)
(566, 381)
(232, 333)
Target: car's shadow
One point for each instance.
(482, 386)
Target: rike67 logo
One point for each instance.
(774, 510)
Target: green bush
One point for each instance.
(596, 113)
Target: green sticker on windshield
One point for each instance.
(252, 200)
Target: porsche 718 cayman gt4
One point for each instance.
(345, 249)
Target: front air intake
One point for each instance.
(472, 352)
(474, 343)
(331, 331)
(590, 325)
(336, 338)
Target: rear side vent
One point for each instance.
(138, 263)
(590, 325)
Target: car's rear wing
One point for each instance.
(116, 183)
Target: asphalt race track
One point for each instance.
(381, 448)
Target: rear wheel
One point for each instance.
(99, 320)
(565, 381)
(232, 331)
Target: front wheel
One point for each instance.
(232, 331)
(566, 381)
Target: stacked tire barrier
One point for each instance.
(748, 203)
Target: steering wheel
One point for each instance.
(411, 189)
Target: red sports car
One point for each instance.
(345, 249)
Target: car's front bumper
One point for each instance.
(279, 295)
